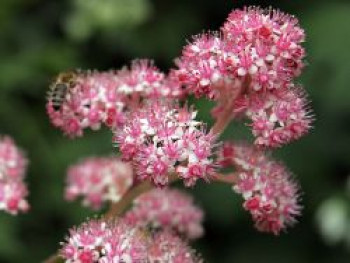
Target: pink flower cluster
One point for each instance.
(256, 56)
(98, 180)
(249, 69)
(270, 194)
(266, 45)
(167, 209)
(277, 117)
(13, 164)
(144, 81)
(163, 138)
(82, 99)
(105, 242)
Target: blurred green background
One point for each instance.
(40, 38)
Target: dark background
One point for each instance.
(40, 38)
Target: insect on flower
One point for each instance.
(59, 88)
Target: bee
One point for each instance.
(60, 87)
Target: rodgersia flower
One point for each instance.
(79, 100)
(104, 242)
(161, 139)
(167, 209)
(13, 164)
(252, 63)
(277, 117)
(98, 180)
(202, 66)
(262, 44)
(88, 99)
(266, 45)
(169, 248)
(270, 194)
(144, 81)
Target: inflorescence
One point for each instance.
(254, 60)
(101, 241)
(99, 180)
(167, 209)
(269, 192)
(163, 139)
(13, 164)
(89, 99)
(115, 241)
(249, 69)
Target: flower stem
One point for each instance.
(222, 122)
(118, 208)
(54, 259)
(226, 178)
(227, 113)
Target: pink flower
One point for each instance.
(99, 180)
(89, 99)
(13, 190)
(266, 46)
(262, 44)
(79, 100)
(166, 209)
(163, 138)
(278, 117)
(169, 248)
(270, 195)
(143, 80)
(103, 242)
(249, 69)
(202, 67)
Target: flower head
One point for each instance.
(144, 81)
(202, 66)
(79, 100)
(169, 248)
(99, 180)
(163, 138)
(277, 117)
(261, 44)
(266, 46)
(166, 209)
(100, 241)
(270, 195)
(89, 99)
(249, 68)
(13, 190)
